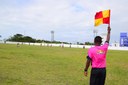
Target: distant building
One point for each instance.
(103, 35)
(115, 44)
(124, 39)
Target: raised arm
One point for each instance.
(108, 34)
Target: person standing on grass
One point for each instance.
(97, 58)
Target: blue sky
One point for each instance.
(72, 20)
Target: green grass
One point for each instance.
(36, 65)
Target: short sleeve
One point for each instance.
(90, 53)
(89, 58)
(106, 44)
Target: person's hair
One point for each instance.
(98, 40)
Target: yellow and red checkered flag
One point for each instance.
(102, 17)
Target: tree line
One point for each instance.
(22, 38)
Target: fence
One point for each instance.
(61, 45)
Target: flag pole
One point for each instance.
(109, 18)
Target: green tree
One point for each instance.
(21, 38)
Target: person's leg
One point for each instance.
(94, 78)
(103, 76)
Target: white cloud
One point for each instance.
(73, 18)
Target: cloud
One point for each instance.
(72, 20)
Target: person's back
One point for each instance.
(98, 55)
(97, 58)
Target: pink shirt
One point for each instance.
(98, 55)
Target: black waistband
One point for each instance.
(99, 68)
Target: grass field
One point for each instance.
(35, 65)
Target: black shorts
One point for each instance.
(98, 76)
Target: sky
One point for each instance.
(71, 20)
